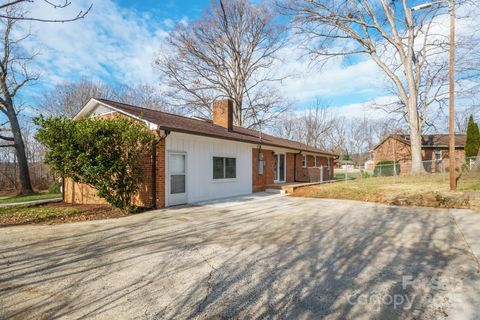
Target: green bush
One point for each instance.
(386, 168)
(55, 187)
(366, 174)
(105, 154)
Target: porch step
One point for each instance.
(276, 191)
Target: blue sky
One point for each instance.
(167, 9)
(119, 40)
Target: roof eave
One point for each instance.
(94, 102)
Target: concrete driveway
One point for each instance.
(254, 257)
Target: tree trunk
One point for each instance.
(25, 183)
(415, 138)
(416, 149)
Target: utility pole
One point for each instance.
(451, 125)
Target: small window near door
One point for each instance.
(438, 154)
(224, 168)
(315, 161)
(304, 162)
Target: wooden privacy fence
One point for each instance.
(41, 175)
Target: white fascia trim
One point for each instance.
(93, 102)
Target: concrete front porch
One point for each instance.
(289, 187)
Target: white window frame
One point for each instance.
(440, 153)
(304, 161)
(315, 161)
(277, 157)
(225, 168)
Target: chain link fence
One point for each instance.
(439, 168)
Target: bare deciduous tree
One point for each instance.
(228, 52)
(309, 127)
(143, 95)
(404, 45)
(68, 98)
(55, 4)
(14, 75)
(319, 127)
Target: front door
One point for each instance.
(279, 167)
(177, 178)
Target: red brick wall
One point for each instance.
(302, 173)
(323, 162)
(402, 155)
(223, 113)
(392, 149)
(160, 192)
(259, 182)
(402, 152)
(290, 177)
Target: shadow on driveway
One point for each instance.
(268, 257)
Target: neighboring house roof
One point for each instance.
(176, 123)
(429, 140)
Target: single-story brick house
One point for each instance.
(396, 147)
(199, 159)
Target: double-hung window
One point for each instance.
(315, 161)
(224, 168)
(304, 162)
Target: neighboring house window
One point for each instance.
(315, 161)
(438, 154)
(224, 168)
(304, 162)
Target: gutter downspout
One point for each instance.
(154, 167)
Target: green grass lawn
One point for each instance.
(32, 214)
(430, 190)
(32, 197)
(56, 212)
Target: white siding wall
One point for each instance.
(200, 151)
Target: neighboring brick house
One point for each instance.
(197, 159)
(434, 151)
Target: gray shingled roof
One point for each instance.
(176, 123)
(430, 140)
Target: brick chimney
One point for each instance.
(223, 113)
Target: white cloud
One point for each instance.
(111, 43)
(364, 110)
(307, 81)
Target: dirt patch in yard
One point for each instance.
(432, 199)
(54, 213)
(422, 191)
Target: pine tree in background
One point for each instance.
(473, 139)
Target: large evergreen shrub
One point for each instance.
(472, 144)
(105, 154)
